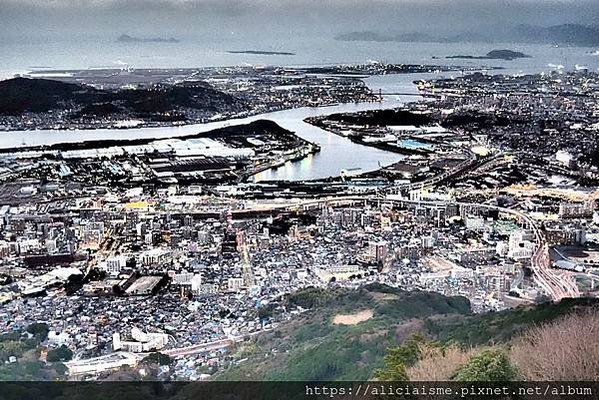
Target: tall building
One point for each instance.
(377, 251)
(427, 242)
(114, 265)
(576, 210)
(140, 341)
(189, 280)
(520, 245)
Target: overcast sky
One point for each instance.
(219, 18)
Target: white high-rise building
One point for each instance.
(114, 265)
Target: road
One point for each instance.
(199, 348)
(557, 287)
(468, 165)
(210, 346)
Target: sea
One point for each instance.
(337, 153)
(100, 52)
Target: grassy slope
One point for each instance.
(310, 347)
(502, 326)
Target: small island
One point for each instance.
(507, 55)
(261, 52)
(132, 39)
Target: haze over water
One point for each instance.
(191, 53)
(337, 153)
(73, 34)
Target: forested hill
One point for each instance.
(346, 334)
(24, 95)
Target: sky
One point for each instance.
(214, 19)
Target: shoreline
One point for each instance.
(174, 124)
(95, 144)
(360, 72)
(378, 145)
(145, 135)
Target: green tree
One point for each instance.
(157, 358)
(60, 368)
(399, 358)
(10, 336)
(39, 330)
(489, 365)
(61, 353)
(11, 348)
(32, 368)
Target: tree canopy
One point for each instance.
(489, 365)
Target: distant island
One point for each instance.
(507, 55)
(132, 39)
(565, 34)
(261, 52)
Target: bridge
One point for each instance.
(465, 167)
(408, 94)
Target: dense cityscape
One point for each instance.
(114, 252)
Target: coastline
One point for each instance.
(113, 122)
(378, 145)
(325, 160)
(174, 124)
(94, 144)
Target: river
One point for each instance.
(337, 153)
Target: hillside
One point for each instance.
(345, 335)
(567, 34)
(23, 95)
(381, 118)
(564, 34)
